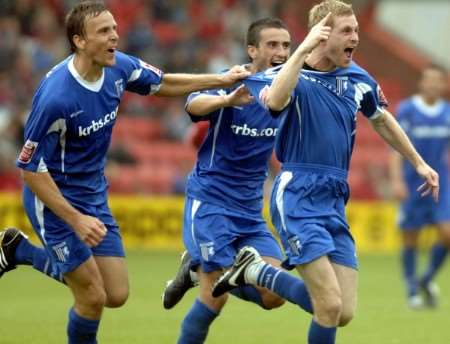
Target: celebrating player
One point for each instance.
(223, 208)
(318, 93)
(425, 117)
(66, 138)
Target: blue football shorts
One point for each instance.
(213, 235)
(417, 212)
(63, 245)
(308, 210)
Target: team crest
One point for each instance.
(341, 85)
(207, 250)
(61, 251)
(295, 245)
(27, 151)
(119, 87)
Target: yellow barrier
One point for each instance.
(150, 221)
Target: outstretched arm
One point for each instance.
(173, 85)
(389, 129)
(207, 103)
(399, 189)
(280, 91)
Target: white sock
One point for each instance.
(194, 277)
(252, 272)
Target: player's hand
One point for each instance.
(399, 190)
(89, 229)
(318, 33)
(431, 185)
(240, 96)
(235, 74)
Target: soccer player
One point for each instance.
(318, 93)
(66, 138)
(425, 117)
(224, 193)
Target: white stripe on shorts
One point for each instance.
(195, 205)
(285, 178)
(39, 208)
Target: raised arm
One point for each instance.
(282, 86)
(389, 129)
(89, 229)
(181, 84)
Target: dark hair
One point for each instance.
(256, 27)
(76, 19)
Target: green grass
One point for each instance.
(33, 310)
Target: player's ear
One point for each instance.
(79, 41)
(251, 51)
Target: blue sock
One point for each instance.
(24, 252)
(28, 254)
(321, 335)
(195, 326)
(285, 285)
(81, 330)
(437, 258)
(248, 293)
(409, 257)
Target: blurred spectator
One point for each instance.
(176, 121)
(175, 35)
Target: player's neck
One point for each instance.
(429, 100)
(320, 62)
(87, 69)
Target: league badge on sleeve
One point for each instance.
(262, 96)
(382, 98)
(150, 67)
(27, 151)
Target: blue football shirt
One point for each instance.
(69, 129)
(319, 124)
(428, 128)
(233, 160)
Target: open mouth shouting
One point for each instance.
(277, 63)
(349, 52)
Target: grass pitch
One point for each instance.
(33, 310)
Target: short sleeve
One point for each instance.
(142, 77)
(207, 117)
(42, 130)
(259, 84)
(372, 97)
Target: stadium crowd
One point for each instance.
(174, 35)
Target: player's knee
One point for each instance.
(215, 303)
(328, 310)
(271, 301)
(346, 317)
(445, 239)
(94, 298)
(117, 298)
(334, 308)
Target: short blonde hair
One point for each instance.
(336, 7)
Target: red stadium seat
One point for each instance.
(161, 152)
(137, 128)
